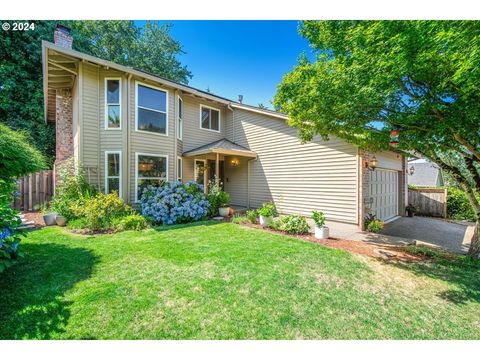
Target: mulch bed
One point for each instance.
(34, 216)
(378, 251)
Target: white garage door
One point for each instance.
(384, 193)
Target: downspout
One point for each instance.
(175, 142)
(233, 121)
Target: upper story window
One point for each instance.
(151, 105)
(180, 119)
(209, 118)
(113, 107)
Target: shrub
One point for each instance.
(76, 224)
(223, 199)
(268, 209)
(174, 203)
(294, 224)
(214, 189)
(276, 224)
(319, 218)
(130, 222)
(375, 226)
(411, 208)
(100, 211)
(251, 216)
(9, 236)
(458, 205)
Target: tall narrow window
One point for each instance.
(113, 172)
(180, 119)
(151, 107)
(200, 172)
(179, 169)
(113, 109)
(151, 170)
(209, 118)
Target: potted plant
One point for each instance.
(321, 231)
(266, 212)
(60, 220)
(49, 216)
(372, 224)
(411, 210)
(224, 202)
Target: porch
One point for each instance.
(225, 162)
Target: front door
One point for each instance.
(211, 171)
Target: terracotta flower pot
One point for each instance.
(60, 220)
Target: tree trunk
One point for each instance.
(474, 250)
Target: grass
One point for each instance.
(223, 281)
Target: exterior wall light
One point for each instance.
(372, 164)
(235, 162)
(410, 171)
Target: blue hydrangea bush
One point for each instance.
(174, 203)
(9, 236)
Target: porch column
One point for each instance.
(217, 169)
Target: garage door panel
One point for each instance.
(384, 193)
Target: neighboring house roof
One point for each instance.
(69, 71)
(425, 174)
(222, 146)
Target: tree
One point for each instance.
(369, 77)
(17, 158)
(21, 89)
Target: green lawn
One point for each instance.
(222, 281)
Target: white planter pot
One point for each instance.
(223, 211)
(60, 220)
(266, 220)
(322, 232)
(49, 219)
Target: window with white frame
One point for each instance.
(179, 169)
(113, 172)
(113, 108)
(150, 170)
(199, 171)
(209, 118)
(151, 105)
(180, 119)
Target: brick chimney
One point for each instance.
(62, 36)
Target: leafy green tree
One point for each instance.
(150, 48)
(369, 77)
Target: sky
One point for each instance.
(239, 57)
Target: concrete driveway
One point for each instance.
(450, 236)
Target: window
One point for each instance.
(200, 171)
(180, 119)
(151, 104)
(113, 172)
(150, 170)
(113, 109)
(179, 169)
(209, 118)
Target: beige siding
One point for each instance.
(89, 154)
(299, 178)
(236, 180)
(193, 135)
(155, 144)
(389, 160)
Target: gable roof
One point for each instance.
(48, 47)
(222, 146)
(425, 174)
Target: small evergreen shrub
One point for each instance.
(174, 203)
(294, 224)
(251, 216)
(131, 222)
(458, 205)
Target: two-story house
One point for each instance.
(129, 128)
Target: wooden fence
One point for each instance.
(429, 201)
(34, 190)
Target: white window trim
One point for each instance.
(195, 169)
(137, 83)
(137, 154)
(180, 119)
(119, 173)
(119, 99)
(219, 118)
(180, 178)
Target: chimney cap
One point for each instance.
(63, 29)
